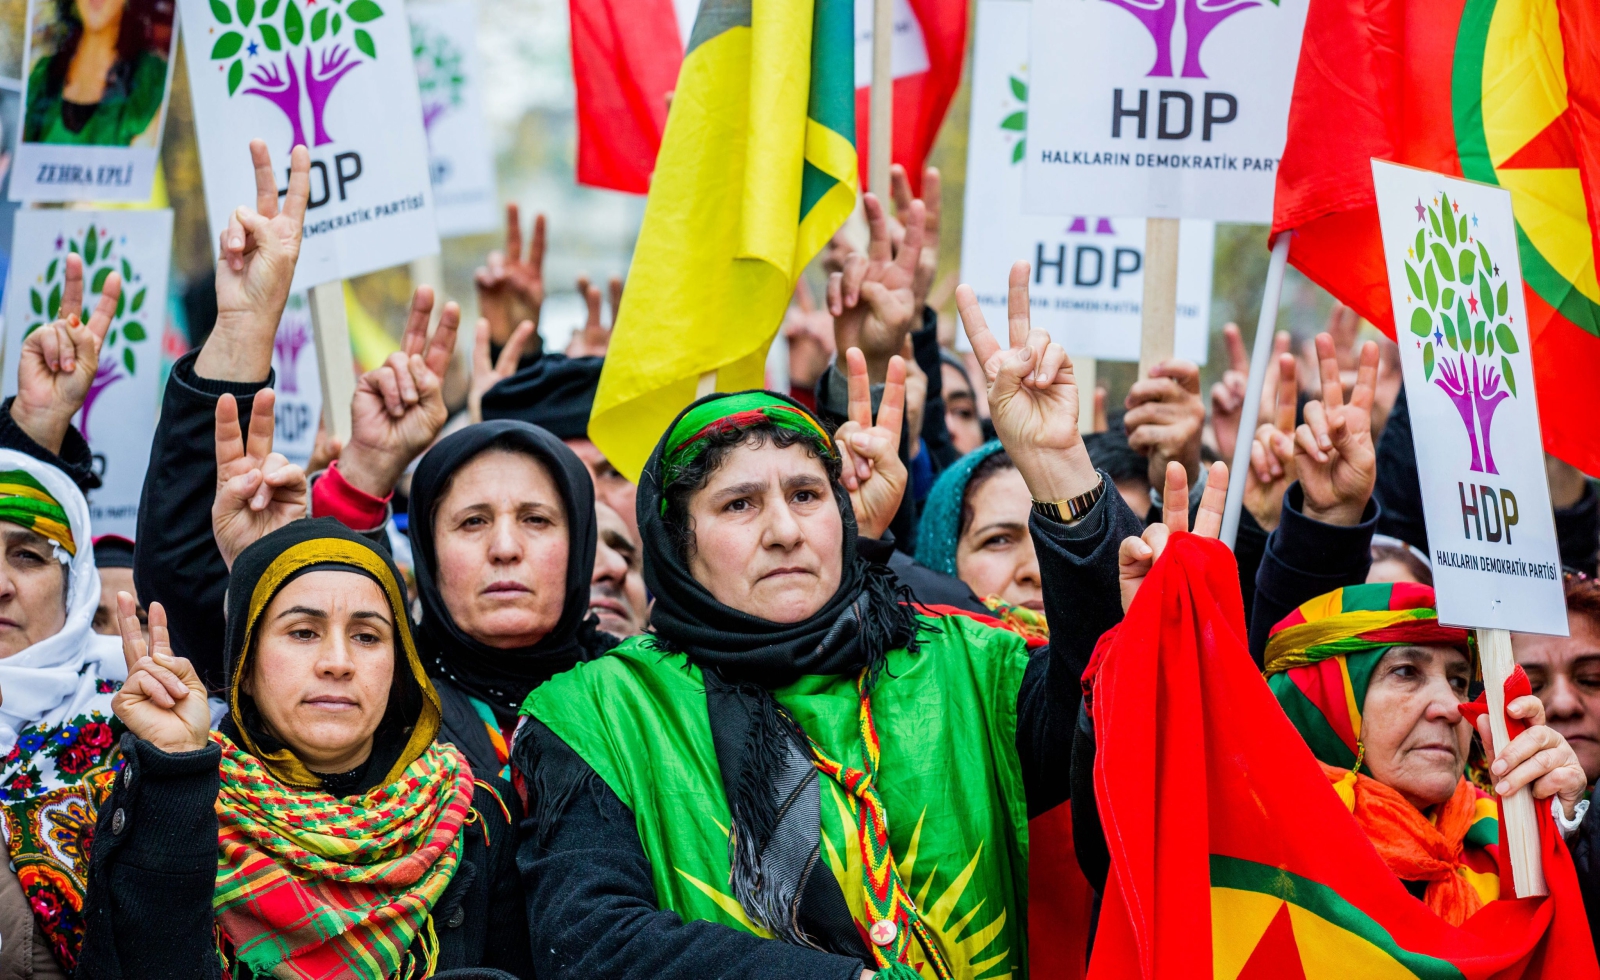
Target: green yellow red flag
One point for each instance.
(1501, 91)
(1232, 855)
(757, 170)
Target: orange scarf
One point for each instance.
(1416, 848)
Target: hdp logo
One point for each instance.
(1200, 18)
(440, 79)
(291, 338)
(273, 41)
(95, 246)
(1465, 310)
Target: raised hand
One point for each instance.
(595, 337)
(59, 360)
(511, 287)
(258, 490)
(1335, 458)
(1137, 556)
(260, 247)
(162, 701)
(928, 261)
(398, 408)
(1033, 398)
(1272, 455)
(809, 332)
(871, 468)
(1227, 395)
(1165, 418)
(487, 374)
(883, 279)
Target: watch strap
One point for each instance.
(1074, 508)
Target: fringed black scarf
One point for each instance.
(763, 755)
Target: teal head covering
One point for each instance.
(941, 515)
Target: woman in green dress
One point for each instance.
(104, 84)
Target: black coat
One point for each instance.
(591, 902)
(153, 871)
(75, 459)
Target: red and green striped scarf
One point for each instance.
(738, 411)
(310, 886)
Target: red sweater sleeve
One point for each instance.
(333, 496)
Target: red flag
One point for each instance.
(928, 47)
(626, 56)
(1232, 855)
(1501, 91)
(625, 59)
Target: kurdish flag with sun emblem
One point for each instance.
(1232, 856)
(757, 170)
(1501, 91)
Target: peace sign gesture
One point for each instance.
(1136, 556)
(162, 701)
(1033, 397)
(871, 468)
(398, 407)
(258, 490)
(511, 288)
(59, 360)
(872, 300)
(1334, 454)
(486, 373)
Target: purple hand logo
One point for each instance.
(95, 246)
(289, 66)
(1458, 307)
(1200, 18)
(290, 340)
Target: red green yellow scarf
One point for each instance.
(310, 886)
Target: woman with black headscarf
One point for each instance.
(800, 774)
(323, 830)
(502, 531)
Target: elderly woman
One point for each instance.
(323, 830)
(1375, 684)
(798, 775)
(975, 526)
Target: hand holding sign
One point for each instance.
(398, 408)
(1335, 457)
(259, 249)
(59, 360)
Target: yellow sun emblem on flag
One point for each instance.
(1509, 97)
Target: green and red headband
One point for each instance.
(746, 410)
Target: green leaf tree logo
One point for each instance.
(1462, 318)
(96, 247)
(1017, 120)
(440, 78)
(294, 56)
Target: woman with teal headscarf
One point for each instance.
(974, 526)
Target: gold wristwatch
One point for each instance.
(1070, 511)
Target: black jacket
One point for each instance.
(591, 901)
(75, 459)
(175, 558)
(153, 871)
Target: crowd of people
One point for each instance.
(459, 699)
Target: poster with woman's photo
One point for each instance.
(96, 74)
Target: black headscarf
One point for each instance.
(411, 719)
(555, 393)
(502, 678)
(762, 753)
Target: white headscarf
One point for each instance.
(56, 694)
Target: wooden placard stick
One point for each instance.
(881, 135)
(1522, 832)
(1083, 375)
(335, 364)
(706, 385)
(1159, 311)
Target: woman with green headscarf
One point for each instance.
(322, 830)
(1377, 686)
(799, 774)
